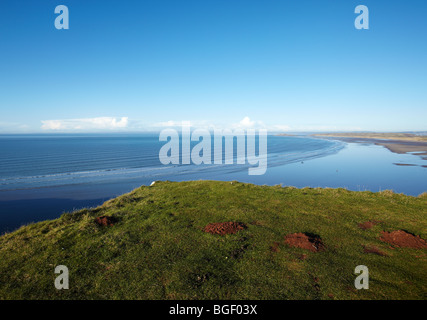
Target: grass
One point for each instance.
(157, 249)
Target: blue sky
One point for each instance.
(283, 65)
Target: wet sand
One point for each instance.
(396, 146)
(382, 136)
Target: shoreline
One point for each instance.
(418, 148)
(337, 170)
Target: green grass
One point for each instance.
(158, 250)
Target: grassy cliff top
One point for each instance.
(157, 247)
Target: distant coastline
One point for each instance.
(395, 142)
(378, 135)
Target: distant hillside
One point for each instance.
(375, 135)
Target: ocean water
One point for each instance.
(29, 162)
(42, 176)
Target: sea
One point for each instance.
(43, 176)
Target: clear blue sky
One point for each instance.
(297, 64)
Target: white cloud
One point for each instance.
(100, 123)
(247, 123)
(169, 123)
(8, 127)
(325, 128)
(172, 123)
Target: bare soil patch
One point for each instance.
(305, 241)
(223, 228)
(303, 257)
(275, 247)
(105, 221)
(374, 250)
(368, 224)
(403, 239)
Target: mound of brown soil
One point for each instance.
(401, 238)
(306, 241)
(275, 247)
(223, 228)
(368, 224)
(104, 221)
(374, 250)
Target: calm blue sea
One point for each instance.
(42, 176)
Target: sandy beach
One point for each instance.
(407, 143)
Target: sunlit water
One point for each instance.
(43, 176)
